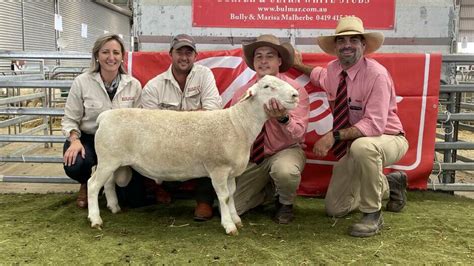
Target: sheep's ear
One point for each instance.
(249, 93)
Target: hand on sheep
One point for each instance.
(323, 145)
(71, 153)
(275, 109)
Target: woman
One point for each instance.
(105, 86)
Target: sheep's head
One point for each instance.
(272, 87)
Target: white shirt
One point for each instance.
(200, 92)
(88, 98)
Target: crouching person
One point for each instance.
(105, 86)
(276, 159)
(185, 86)
(367, 133)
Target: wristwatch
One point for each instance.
(337, 135)
(283, 120)
(71, 137)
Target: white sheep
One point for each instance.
(169, 146)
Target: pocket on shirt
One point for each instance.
(356, 113)
(193, 99)
(92, 109)
(192, 92)
(125, 104)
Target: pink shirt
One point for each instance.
(280, 136)
(371, 95)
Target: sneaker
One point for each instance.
(203, 212)
(81, 201)
(284, 214)
(370, 224)
(397, 182)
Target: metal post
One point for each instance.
(448, 175)
(22, 25)
(457, 109)
(448, 137)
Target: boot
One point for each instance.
(370, 224)
(284, 214)
(203, 212)
(162, 196)
(397, 181)
(81, 200)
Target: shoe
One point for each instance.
(81, 201)
(284, 214)
(370, 224)
(162, 196)
(203, 212)
(397, 182)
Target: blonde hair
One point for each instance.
(101, 41)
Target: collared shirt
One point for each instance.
(200, 92)
(371, 95)
(280, 136)
(88, 98)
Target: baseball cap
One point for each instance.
(182, 40)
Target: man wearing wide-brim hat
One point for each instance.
(276, 158)
(367, 133)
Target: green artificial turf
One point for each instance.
(49, 229)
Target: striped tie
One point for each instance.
(341, 115)
(257, 153)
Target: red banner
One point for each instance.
(300, 14)
(416, 78)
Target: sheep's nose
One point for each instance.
(295, 95)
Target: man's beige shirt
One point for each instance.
(88, 98)
(200, 92)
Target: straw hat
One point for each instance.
(285, 50)
(351, 26)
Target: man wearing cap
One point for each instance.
(185, 86)
(367, 133)
(275, 169)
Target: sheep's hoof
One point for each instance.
(96, 226)
(114, 209)
(232, 232)
(239, 225)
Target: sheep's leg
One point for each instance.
(233, 212)
(219, 182)
(121, 177)
(93, 201)
(94, 184)
(111, 195)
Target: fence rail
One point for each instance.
(32, 138)
(452, 119)
(31, 159)
(59, 84)
(36, 179)
(31, 111)
(43, 55)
